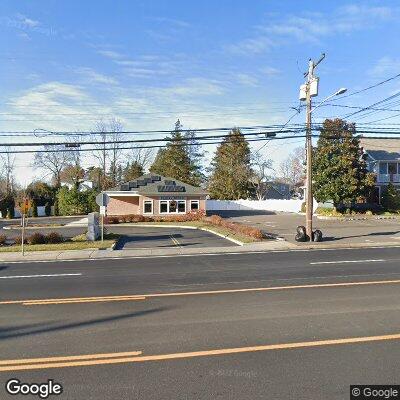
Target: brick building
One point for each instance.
(155, 195)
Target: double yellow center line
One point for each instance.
(65, 361)
(74, 300)
(136, 356)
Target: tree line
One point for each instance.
(234, 172)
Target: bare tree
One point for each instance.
(260, 168)
(108, 151)
(140, 156)
(115, 128)
(53, 160)
(292, 169)
(7, 166)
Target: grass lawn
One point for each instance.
(109, 240)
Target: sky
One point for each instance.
(66, 65)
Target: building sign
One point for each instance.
(172, 198)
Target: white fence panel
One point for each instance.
(262, 205)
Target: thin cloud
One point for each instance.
(384, 67)
(312, 27)
(93, 76)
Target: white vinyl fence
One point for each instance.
(261, 205)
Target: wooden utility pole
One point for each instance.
(309, 200)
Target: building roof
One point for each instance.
(381, 149)
(152, 184)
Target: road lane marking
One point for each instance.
(69, 358)
(345, 262)
(203, 353)
(83, 300)
(36, 276)
(204, 292)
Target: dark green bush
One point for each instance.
(47, 209)
(36, 238)
(34, 208)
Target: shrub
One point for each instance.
(3, 239)
(18, 240)
(235, 227)
(54, 237)
(111, 220)
(80, 238)
(36, 238)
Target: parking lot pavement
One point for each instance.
(144, 238)
(348, 231)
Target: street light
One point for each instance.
(337, 93)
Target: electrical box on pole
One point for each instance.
(314, 83)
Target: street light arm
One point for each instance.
(340, 91)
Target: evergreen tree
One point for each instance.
(174, 160)
(230, 179)
(132, 171)
(339, 170)
(391, 198)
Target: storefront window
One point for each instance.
(172, 206)
(181, 206)
(163, 207)
(148, 207)
(194, 205)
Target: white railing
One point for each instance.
(386, 178)
(383, 178)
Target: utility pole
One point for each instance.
(309, 190)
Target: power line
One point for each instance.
(107, 142)
(368, 88)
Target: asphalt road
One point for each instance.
(319, 302)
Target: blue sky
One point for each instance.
(209, 63)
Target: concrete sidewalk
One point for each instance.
(266, 246)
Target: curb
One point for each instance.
(223, 236)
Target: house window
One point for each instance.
(383, 167)
(148, 207)
(392, 168)
(163, 207)
(194, 205)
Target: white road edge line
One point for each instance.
(196, 255)
(345, 261)
(37, 276)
